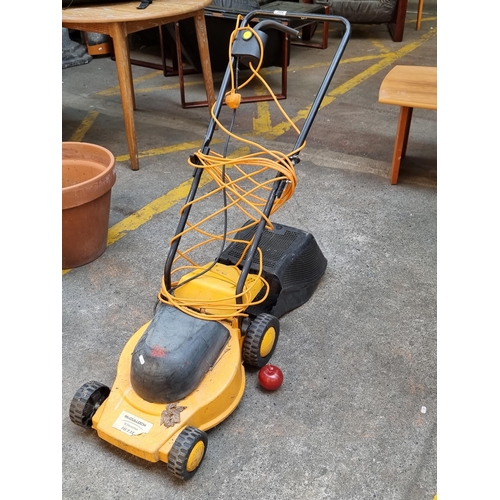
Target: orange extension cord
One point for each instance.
(249, 199)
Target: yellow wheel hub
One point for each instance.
(195, 456)
(267, 342)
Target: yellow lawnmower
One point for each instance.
(183, 373)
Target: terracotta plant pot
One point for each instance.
(88, 174)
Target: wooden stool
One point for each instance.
(409, 87)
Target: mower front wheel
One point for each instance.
(260, 340)
(86, 402)
(187, 452)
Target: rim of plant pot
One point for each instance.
(94, 186)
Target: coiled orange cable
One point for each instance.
(249, 198)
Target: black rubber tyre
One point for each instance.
(187, 453)
(260, 340)
(86, 402)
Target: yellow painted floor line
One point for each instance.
(380, 46)
(116, 90)
(386, 61)
(167, 149)
(161, 204)
(84, 127)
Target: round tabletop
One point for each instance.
(128, 11)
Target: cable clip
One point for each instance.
(233, 100)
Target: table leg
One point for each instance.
(419, 13)
(201, 35)
(119, 34)
(401, 141)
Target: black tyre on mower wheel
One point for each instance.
(86, 401)
(187, 452)
(260, 340)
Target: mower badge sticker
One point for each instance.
(132, 425)
(171, 415)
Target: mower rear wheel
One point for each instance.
(86, 402)
(261, 339)
(187, 452)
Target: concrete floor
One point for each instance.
(356, 416)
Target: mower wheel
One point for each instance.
(261, 339)
(187, 452)
(86, 402)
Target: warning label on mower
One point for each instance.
(132, 425)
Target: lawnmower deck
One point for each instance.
(135, 426)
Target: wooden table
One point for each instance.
(118, 20)
(409, 87)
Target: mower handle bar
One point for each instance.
(277, 186)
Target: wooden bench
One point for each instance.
(409, 87)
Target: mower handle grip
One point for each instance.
(270, 23)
